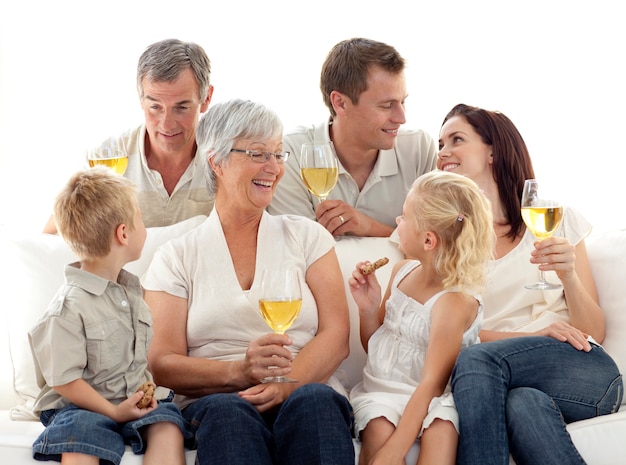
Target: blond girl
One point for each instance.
(429, 313)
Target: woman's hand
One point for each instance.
(267, 356)
(555, 254)
(565, 332)
(264, 396)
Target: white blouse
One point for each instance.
(511, 307)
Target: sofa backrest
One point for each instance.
(35, 272)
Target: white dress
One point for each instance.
(396, 357)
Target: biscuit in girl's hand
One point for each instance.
(148, 392)
(371, 267)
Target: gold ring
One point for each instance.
(342, 220)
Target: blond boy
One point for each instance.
(90, 346)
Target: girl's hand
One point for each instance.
(365, 290)
(555, 254)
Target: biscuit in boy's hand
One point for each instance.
(148, 392)
(371, 267)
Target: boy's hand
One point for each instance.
(128, 410)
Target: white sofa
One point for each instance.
(33, 267)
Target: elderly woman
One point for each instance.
(211, 344)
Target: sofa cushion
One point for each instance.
(350, 251)
(607, 257)
(36, 273)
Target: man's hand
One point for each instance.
(343, 220)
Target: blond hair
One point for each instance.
(91, 206)
(453, 207)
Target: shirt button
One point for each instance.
(124, 303)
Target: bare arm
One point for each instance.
(365, 290)
(571, 264)
(192, 376)
(321, 356)
(80, 393)
(50, 227)
(579, 286)
(450, 317)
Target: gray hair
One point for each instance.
(164, 61)
(225, 123)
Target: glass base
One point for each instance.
(278, 379)
(542, 286)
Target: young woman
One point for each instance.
(540, 364)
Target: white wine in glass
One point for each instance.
(112, 154)
(318, 169)
(542, 217)
(280, 303)
(118, 164)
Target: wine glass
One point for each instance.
(542, 217)
(112, 154)
(280, 303)
(318, 168)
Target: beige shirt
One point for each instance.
(511, 307)
(96, 330)
(383, 194)
(189, 198)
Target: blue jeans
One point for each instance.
(516, 396)
(73, 429)
(311, 427)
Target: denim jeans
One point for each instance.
(73, 429)
(311, 427)
(516, 396)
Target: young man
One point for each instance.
(90, 347)
(173, 82)
(364, 87)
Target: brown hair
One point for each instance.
(348, 63)
(511, 161)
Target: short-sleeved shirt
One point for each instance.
(189, 198)
(96, 330)
(384, 191)
(222, 318)
(511, 307)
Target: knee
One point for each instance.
(315, 400)
(218, 408)
(470, 361)
(311, 393)
(525, 403)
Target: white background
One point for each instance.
(556, 68)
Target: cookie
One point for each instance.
(371, 267)
(148, 391)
